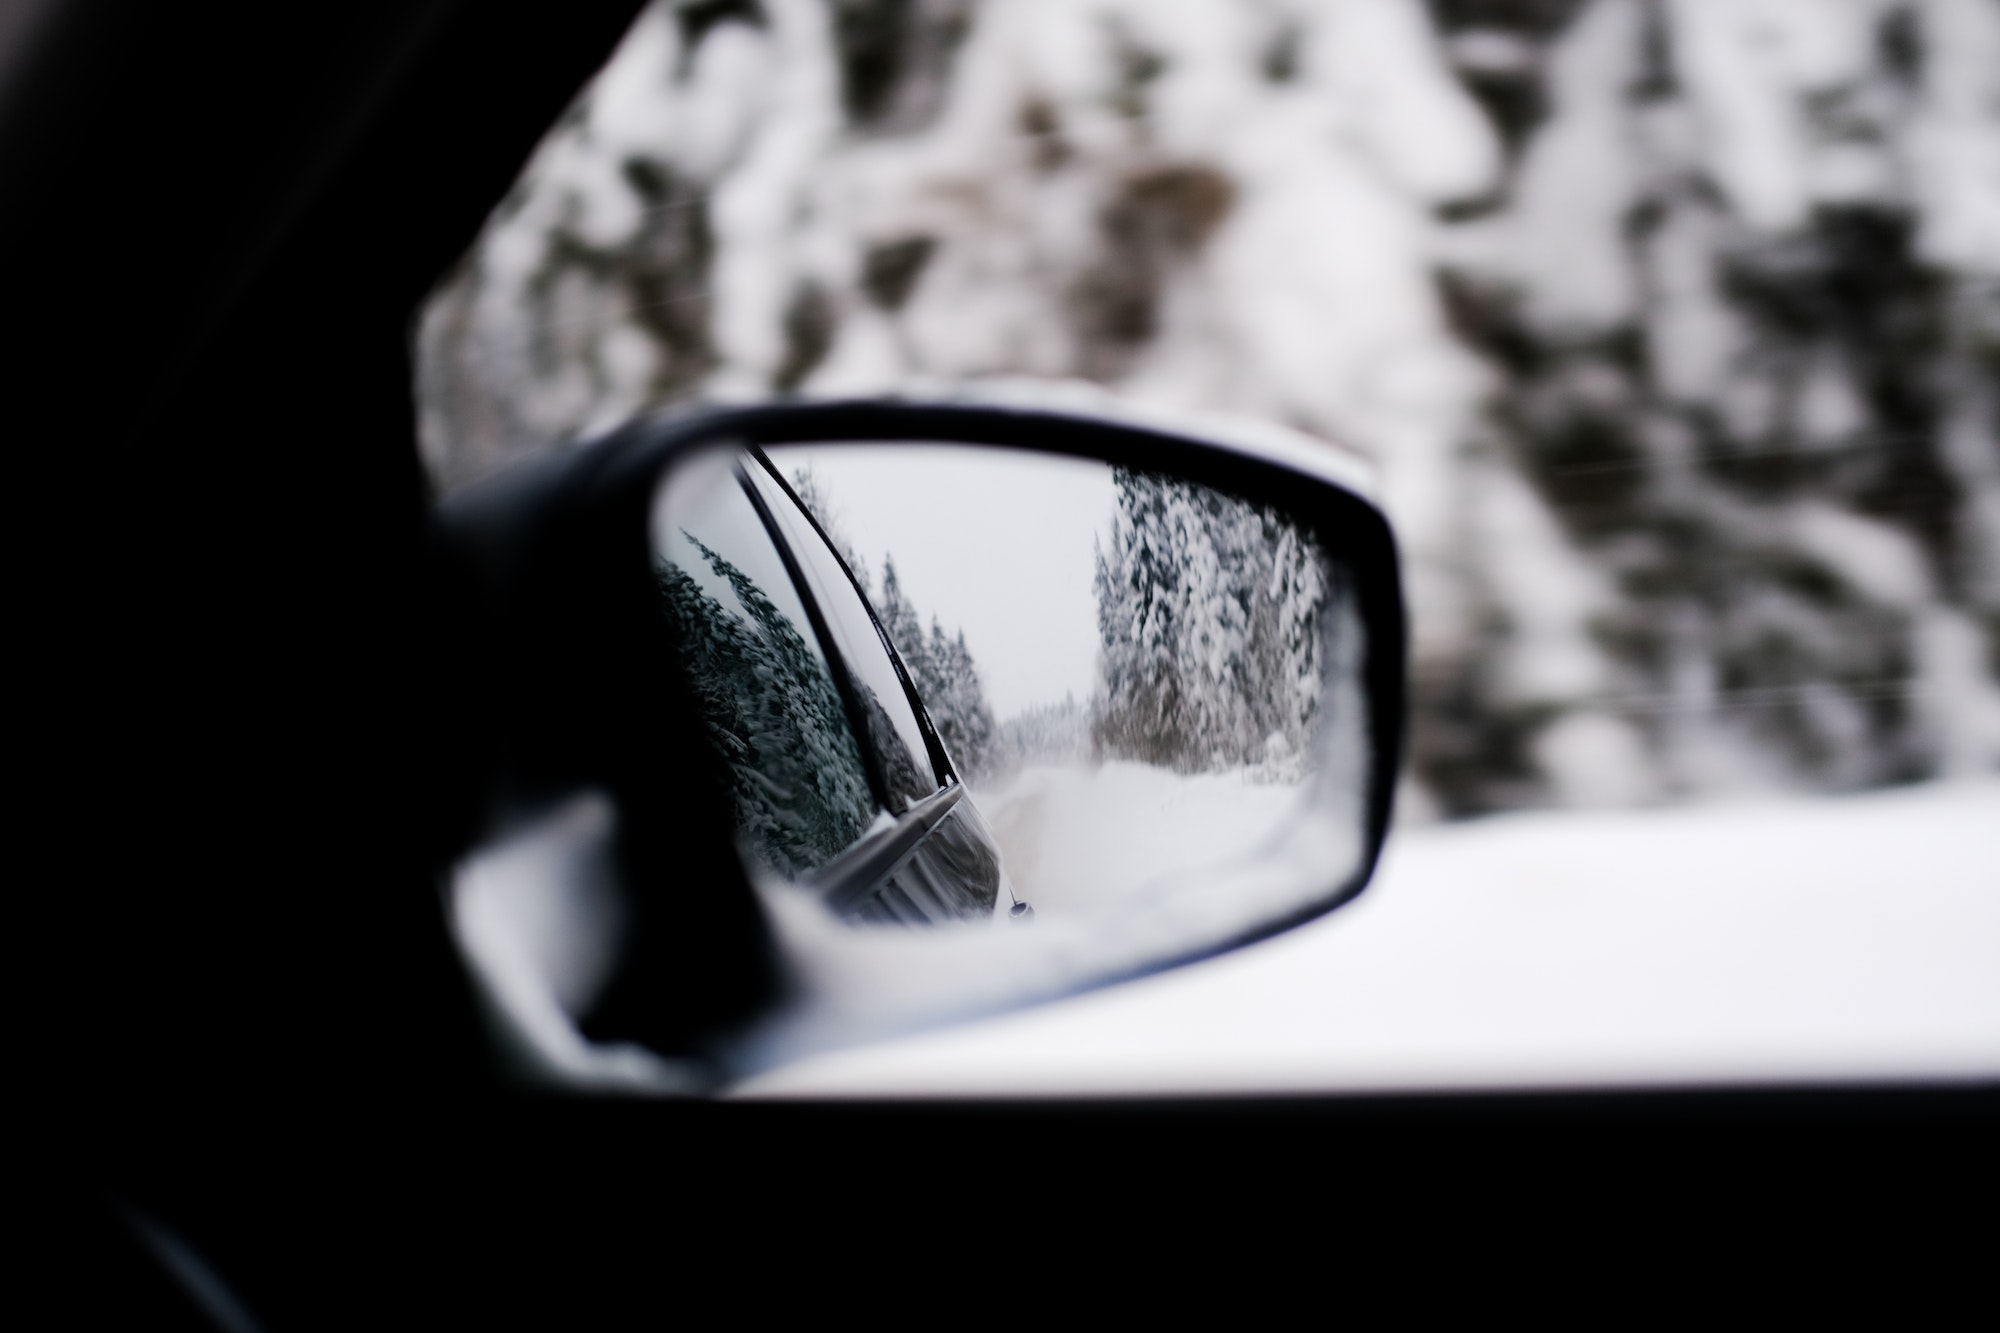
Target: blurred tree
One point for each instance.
(1674, 328)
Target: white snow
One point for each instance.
(1875, 558)
(1564, 239)
(1596, 761)
(537, 917)
(1954, 149)
(1552, 593)
(1747, 63)
(1082, 837)
(1838, 938)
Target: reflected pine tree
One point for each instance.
(797, 778)
(946, 677)
(957, 702)
(1210, 613)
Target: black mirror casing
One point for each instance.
(551, 567)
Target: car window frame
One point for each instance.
(843, 675)
(944, 770)
(773, 575)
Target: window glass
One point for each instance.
(893, 729)
(797, 778)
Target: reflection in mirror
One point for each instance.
(997, 724)
(760, 677)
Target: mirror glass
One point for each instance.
(997, 725)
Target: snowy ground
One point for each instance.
(1854, 937)
(1076, 838)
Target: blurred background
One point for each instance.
(1671, 327)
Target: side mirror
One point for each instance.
(793, 727)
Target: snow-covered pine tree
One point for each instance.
(1747, 324)
(946, 677)
(958, 706)
(774, 717)
(1209, 613)
(1294, 629)
(905, 628)
(1137, 709)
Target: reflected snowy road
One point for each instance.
(1076, 838)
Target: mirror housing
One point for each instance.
(586, 810)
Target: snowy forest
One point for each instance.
(1211, 616)
(1211, 630)
(1672, 327)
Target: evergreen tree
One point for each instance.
(776, 720)
(946, 677)
(1296, 602)
(905, 629)
(1210, 619)
(957, 702)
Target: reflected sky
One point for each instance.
(999, 543)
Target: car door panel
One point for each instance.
(937, 864)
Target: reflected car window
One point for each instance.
(797, 778)
(893, 730)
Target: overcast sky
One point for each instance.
(996, 542)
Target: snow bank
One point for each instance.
(1084, 839)
(1842, 938)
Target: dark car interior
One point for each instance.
(250, 706)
